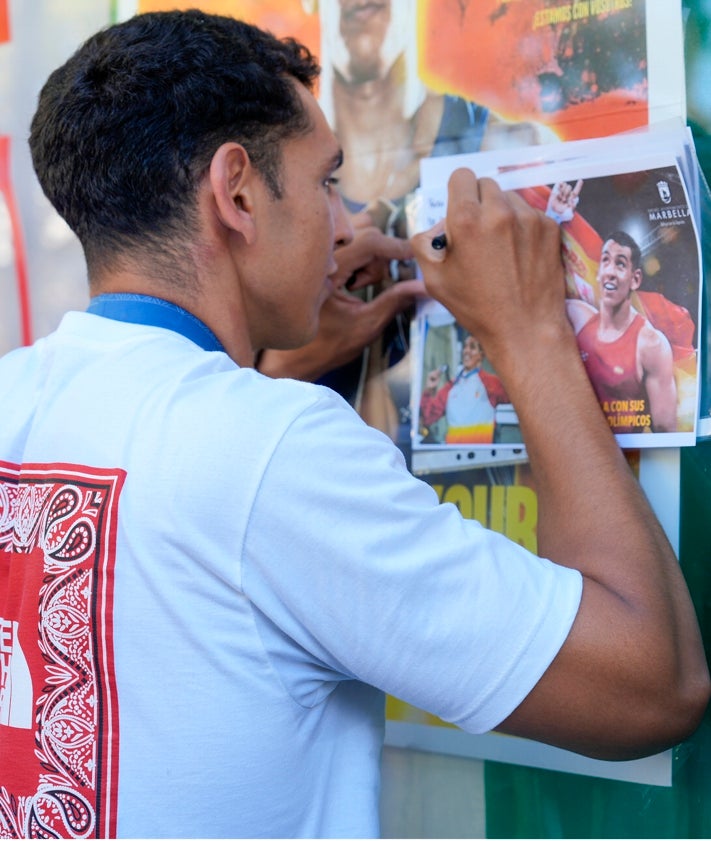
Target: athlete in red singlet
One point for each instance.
(612, 368)
(629, 362)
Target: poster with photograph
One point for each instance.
(408, 81)
(632, 256)
(458, 400)
(503, 498)
(404, 81)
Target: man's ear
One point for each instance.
(232, 180)
(636, 279)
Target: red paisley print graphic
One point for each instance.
(58, 703)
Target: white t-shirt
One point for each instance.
(227, 572)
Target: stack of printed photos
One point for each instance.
(629, 208)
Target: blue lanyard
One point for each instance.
(145, 309)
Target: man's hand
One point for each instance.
(501, 273)
(349, 323)
(366, 259)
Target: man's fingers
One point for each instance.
(395, 299)
(364, 260)
(360, 220)
(371, 242)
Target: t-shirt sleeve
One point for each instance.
(366, 576)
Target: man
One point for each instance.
(629, 362)
(210, 577)
(468, 401)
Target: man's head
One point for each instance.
(127, 127)
(619, 271)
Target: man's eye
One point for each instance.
(331, 182)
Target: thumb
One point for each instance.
(431, 245)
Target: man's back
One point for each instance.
(158, 689)
(212, 619)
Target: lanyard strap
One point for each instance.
(145, 309)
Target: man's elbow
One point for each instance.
(688, 705)
(669, 717)
(661, 712)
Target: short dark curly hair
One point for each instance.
(125, 129)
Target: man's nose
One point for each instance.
(343, 229)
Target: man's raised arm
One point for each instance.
(631, 678)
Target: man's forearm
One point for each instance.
(652, 650)
(631, 678)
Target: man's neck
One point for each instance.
(223, 320)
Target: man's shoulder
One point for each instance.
(252, 409)
(294, 395)
(19, 365)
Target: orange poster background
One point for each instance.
(488, 51)
(281, 17)
(491, 51)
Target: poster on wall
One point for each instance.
(16, 324)
(627, 207)
(405, 81)
(503, 497)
